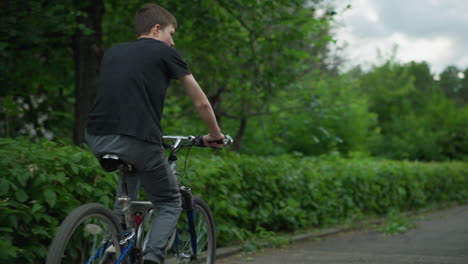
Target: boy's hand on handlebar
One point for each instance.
(213, 141)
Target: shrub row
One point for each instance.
(41, 183)
(286, 193)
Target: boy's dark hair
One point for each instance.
(150, 15)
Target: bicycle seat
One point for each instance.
(111, 162)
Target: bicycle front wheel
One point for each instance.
(90, 234)
(198, 246)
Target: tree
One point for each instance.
(88, 51)
(325, 115)
(39, 105)
(389, 87)
(243, 53)
(418, 121)
(450, 82)
(265, 47)
(463, 92)
(36, 72)
(423, 79)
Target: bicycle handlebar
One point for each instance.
(198, 140)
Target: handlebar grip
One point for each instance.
(226, 141)
(219, 141)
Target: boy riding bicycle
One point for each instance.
(125, 119)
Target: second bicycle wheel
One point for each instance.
(87, 235)
(204, 235)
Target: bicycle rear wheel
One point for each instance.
(87, 235)
(204, 235)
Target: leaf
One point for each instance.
(4, 186)
(13, 221)
(8, 251)
(21, 196)
(22, 178)
(50, 197)
(74, 169)
(39, 231)
(76, 157)
(36, 207)
(61, 177)
(6, 229)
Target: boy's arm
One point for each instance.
(203, 106)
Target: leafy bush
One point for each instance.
(416, 120)
(41, 183)
(285, 193)
(324, 115)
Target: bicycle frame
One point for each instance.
(135, 239)
(92, 233)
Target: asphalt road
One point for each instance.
(439, 238)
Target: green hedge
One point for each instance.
(286, 193)
(41, 183)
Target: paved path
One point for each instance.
(440, 238)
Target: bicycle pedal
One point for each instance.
(183, 256)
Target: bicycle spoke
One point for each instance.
(204, 237)
(88, 235)
(91, 239)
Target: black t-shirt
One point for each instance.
(133, 81)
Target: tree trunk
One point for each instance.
(87, 51)
(216, 101)
(240, 134)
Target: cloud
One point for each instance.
(436, 50)
(424, 18)
(429, 30)
(462, 60)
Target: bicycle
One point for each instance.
(90, 233)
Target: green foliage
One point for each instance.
(285, 193)
(333, 117)
(39, 185)
(463, 92)
(268, 45)
(37, 68)
(389, 87)
(397, 223)
(265, 66)
(321, 115)
(263, 239)
(449, 82)
(417, 121)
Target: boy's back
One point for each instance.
(132, 87)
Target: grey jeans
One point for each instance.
(154, 175)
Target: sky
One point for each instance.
(435, 31)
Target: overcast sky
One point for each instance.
(435, 31)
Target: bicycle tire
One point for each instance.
(204, 228)
(70, 228)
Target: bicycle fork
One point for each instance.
(187, 205)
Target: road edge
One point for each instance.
(232, 250)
